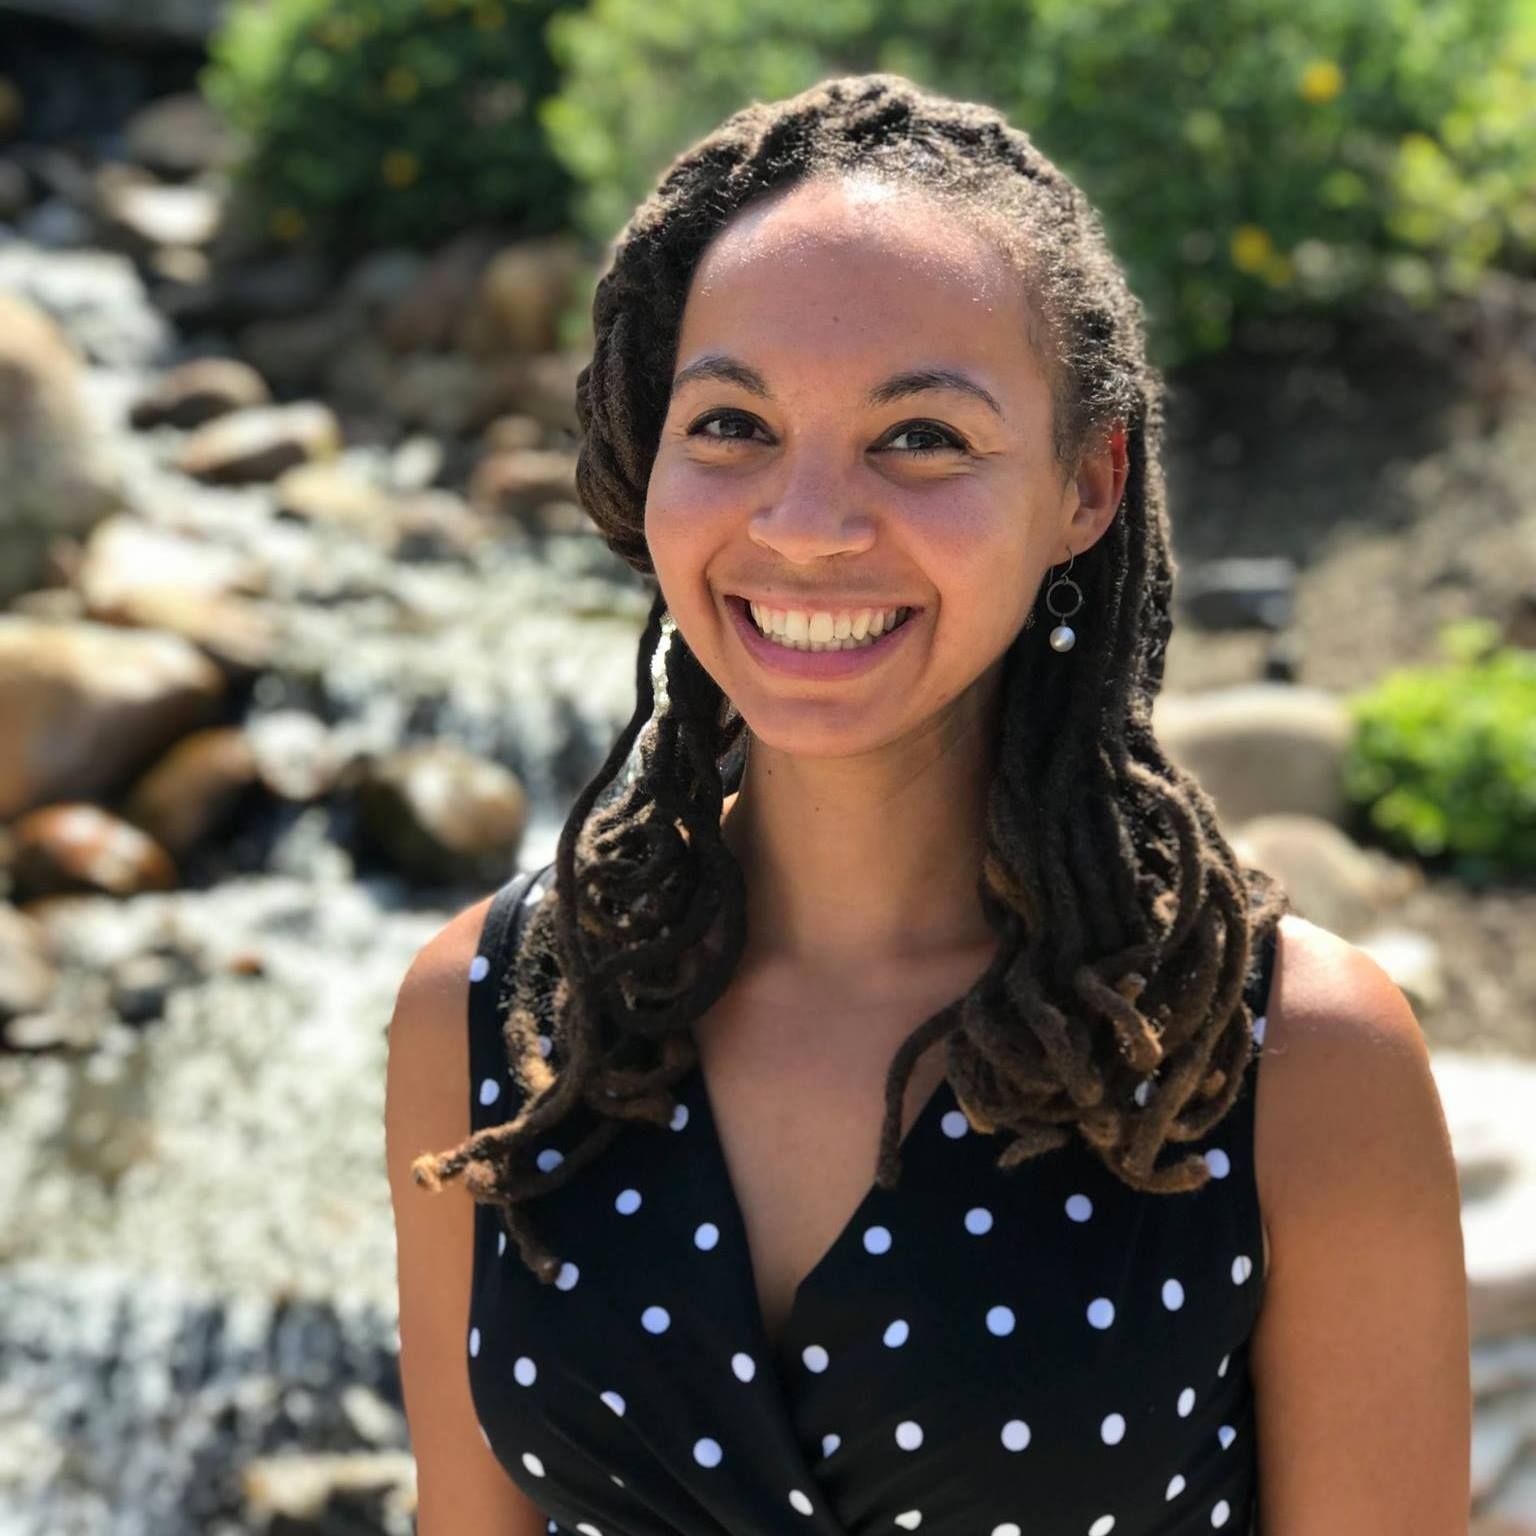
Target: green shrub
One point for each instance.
(1443, 761)
(390, 122)
(1251, 159)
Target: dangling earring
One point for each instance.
(1063, 637)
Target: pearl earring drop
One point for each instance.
(1063, 637)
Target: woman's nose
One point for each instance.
(812, 517)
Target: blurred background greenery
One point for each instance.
(1250, 160)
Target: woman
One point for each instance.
(866, 379)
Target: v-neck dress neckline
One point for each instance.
(978, 1352)
(939, 1102)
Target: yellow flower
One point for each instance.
(400, 84)
(287, 224)
(1278, 271)
(400, 167)
(1321, 81)
(1251, 248)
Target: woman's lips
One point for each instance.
(825, 665)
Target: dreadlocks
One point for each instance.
(1126, 924)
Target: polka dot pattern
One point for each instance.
(638, 1380)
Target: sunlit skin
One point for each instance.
(861, 812)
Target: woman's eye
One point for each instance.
(736, 427)
(946, 438)
(723, 419)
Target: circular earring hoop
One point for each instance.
(1063, 637)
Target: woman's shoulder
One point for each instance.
(1345, 1086)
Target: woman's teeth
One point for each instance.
(800, 629)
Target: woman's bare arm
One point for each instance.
(1360, 1357)
(462, 1490)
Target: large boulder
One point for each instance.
(1261, 748)
(75, 848)
(85, 707)
(55, 479)
(1331, 880)
(438, 813)
(259, 443)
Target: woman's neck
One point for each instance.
(856, 867)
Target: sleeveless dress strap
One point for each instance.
(493, 1088)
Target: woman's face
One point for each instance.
(858, 424)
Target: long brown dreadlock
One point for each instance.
(1126, 923)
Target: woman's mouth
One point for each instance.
(818, 642)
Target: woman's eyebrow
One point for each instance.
(911, 381)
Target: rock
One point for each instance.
(1520, 626)
(28, 975)
(333, 493)
(260, 443)
(1502, 1432)
(141, 576)
(57, 225)
(40, 1032)
(56, 480)
(141, 984)
(436, 525)
(510, 434)
(125, 555)
(518, 484)
(1331, 880)
(15, 191)
(143, 214)
(440, 814)
(294, 754)
(295, 352)
(178, 136)
(239, 635)
(199, 391)
(272, 287)
(75, 847)
(12, 108)
(84, 707)
(521, 294)
(1412, 960)
(321, 1495)
(438, 392)
(1238, 593)
(1261, 748)
(1489, 1104)
(547, 389)
(194, 790)
(380, 279)
(416, 463)
(426, 315)
(97, 298)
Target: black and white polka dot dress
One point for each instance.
(1041, 1352)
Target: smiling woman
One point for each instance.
(865, 371)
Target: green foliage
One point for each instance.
(1443, 761)
(394, 122)
(1250, 159)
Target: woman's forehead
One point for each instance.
(827, 228)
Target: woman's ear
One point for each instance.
(1100, 483)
